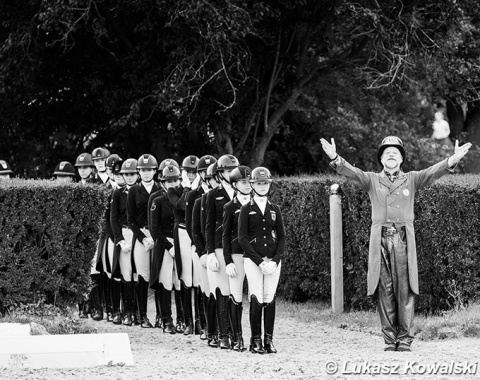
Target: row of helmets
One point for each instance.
(168, 168)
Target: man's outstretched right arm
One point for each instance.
(341, 166)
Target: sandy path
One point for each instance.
(304, 349)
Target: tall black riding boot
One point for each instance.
(269, 321)
(141, 289)
(256, 326)
(107, 285)
(115, 292)
(128, 302)
(212, 337)
(223, 319)
(158, 309)
(180, 328)
(236, 310)
(196, 309)
(200, 322)
(166, 310)
(136, 310)
(96, 297)
(187, 308)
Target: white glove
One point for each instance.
(203, 260)
(262, 266)
(231, 270)
(196, 182)
(148, 243)
(270, 268)
(171, 251)
(212, 262)
(185, 180)
(124, 246)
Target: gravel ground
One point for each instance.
(304, 352)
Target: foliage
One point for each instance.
(49, 232)
(179, 77)
(447, 241)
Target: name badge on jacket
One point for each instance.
(274, 215)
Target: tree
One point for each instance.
(181, 77)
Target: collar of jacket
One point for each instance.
(384, 180)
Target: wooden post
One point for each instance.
(336, 249)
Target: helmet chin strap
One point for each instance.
(260, 195)
(222, 178)
(235, 188)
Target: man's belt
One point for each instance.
(392, 230)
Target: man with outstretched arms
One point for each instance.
(392, 261)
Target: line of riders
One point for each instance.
(192, 232)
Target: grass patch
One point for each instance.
(48, 319)
(450, 325)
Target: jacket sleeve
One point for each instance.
(210, 222)
(109, 229)
(427, 176)
(156, 221)
(281, 241)
(131, 215)
(243, 237)
(115, 216)
(197, 235)
(192, 195)
(353, 174)
(227, 233)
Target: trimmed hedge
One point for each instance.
(447, 234)
(47, 241)
(49, 232)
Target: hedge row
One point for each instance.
(48, 234)
(49, 231)
(447, 233)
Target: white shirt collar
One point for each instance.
(243, 199)
(148, 186)
(104, 176)
(228, 188)
(261, 203)
(205, 187)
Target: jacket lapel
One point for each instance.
(256, 208)
(224, 193)
(402, 177)
(384, 180)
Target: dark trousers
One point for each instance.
(395, 299)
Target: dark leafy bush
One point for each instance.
(47, 241)
(447, 234)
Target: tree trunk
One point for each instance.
(223, 136)
(258, 154)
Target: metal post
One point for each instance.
(336, 249)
